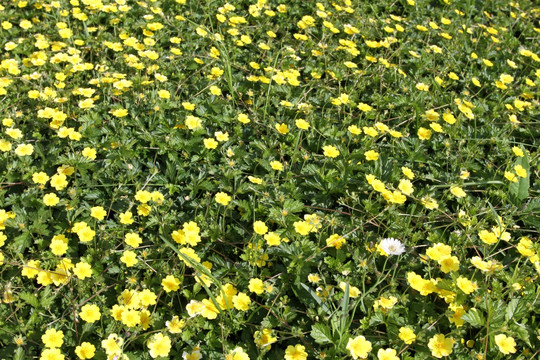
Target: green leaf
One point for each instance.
(316, 298)
(520, 190)
(29, 298)
(474, 317)
(321, 334)
(521, 332)
(47, 297)
(517, 308)
(293, 206)
(19, 354)
(344, 309)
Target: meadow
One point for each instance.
(269, 179)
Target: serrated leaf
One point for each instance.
(521, 332)
(19, 354)
(293, 206)
(113, 270)
(474, 317)
(29, 298)
(321, 334)
(47, 297)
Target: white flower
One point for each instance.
(392, 246)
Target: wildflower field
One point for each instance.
(271, 179)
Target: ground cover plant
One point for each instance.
(269, 179)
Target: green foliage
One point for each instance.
(244, 178)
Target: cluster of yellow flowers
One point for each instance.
(86, 68)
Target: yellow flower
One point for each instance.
(506, 79)
(82, 270)
(24, 149)
(53, 338)
(452, 75)
(89, 153)
(193, 122)
(276, 165)
(58, 246)
(133, 239)
(440, 345)
(424, 287)
(370, 131)
(449, 118)
(422, 87)
(59, 181)
(98, 212)
(330, 151)
(406, 186)
(359, 347)
(221, 136)
(222, 198)
(52, 354)
(260, 227)
(90, 313)
(264, 338)
(143, 196)
(175, 325)
(336, 241)
(282, 128)
(457, 191)
(424, 134)
(50, 199)
(436, 127)
(214, 90)
(488, 237)
(112, 344)
(407, 335)
(296, 352)
(456, 319)
(355, 130)
(387, 354)
(364, 107)
(119, 113)
(371, 155)
(302, 124)
(210, 143)
(272, 239)
(164, 94)
(525, 247)
(129, 258)
(241, 301)
(159, 345)
(302, 227)
(256, 286)
(125, 218)
(407, 172)
(385, 303)
(517, 151)
(520, 171)
(506, 344)
(237, 354)
(14, 133)
(170, 283)
(5, 145)
(432, 115)
(466, 285)
(190, 254)
(243, 118)
(438, 251)
(85, 350)
(449, 263)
